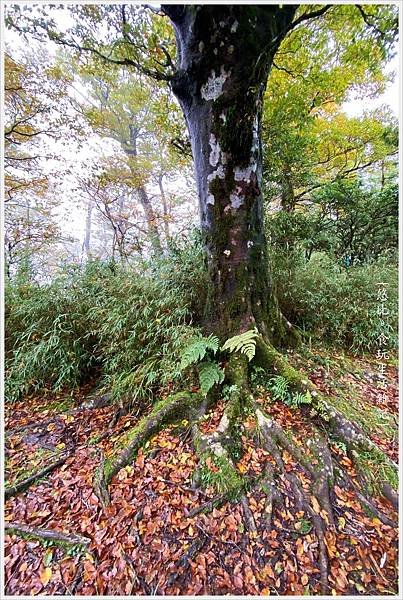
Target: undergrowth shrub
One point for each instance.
(128, 322)
(49, 340)
(338, 305)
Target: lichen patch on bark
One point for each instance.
(213, 88)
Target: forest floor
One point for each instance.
(146, 542)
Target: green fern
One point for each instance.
(209, 374)
(279, 387)
(297, 399)
(244, 343)
(196, 350)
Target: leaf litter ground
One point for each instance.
(147, 543)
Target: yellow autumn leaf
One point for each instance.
(342, 522)
(315, 505)
(46, 576)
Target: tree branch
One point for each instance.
(368, 22)
(310, 15)
(175, 12)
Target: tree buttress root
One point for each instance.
(312, 494)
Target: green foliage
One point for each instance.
(244, 343)
(209, 371)
(305, 526)
(128, 323)
(360, 222)
(297, 399)
(209, 374)
(224, 478)
(341, 446)
(184, 268)
(258, 377)
(375, 469)
(354, 222)
(228, 391)
(309, 141)
(196, 350)
(336, 305)
(279, 387)
(280, 390)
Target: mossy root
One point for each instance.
(165, 412)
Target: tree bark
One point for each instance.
(225, 54)
(88, 227)
(165, 209)
(151, 219)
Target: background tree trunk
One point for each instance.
(152, 225)
(225, 54)
(166, 211)
(88, 227)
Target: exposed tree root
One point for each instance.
(391, 495)
(179, 406)
(367, 503)
(214, 450)
(120, 412)
(332, 419)
(71, 539)
(189, 555)
(273, 496)
(248, 516)
(33, 425)
(311, 493)
(274, 437)
(208, 506)
(26, 483)
(216, 467)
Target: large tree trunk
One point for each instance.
(225, 54)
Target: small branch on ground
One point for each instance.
(71, 539)
(26, 483)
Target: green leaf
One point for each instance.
(197, 350)
(209, 374)
(47, 559)
(244, 343)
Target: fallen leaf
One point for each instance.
(315, 504)
(46, 576)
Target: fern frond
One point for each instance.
(209, 374)
(279, 387)
(197, 348)
(244, 343)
